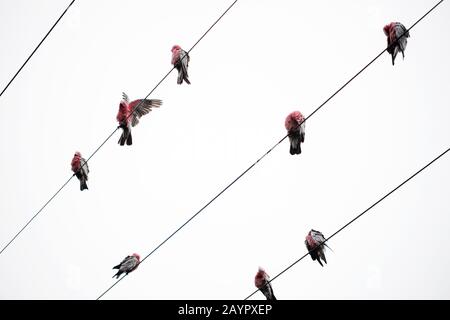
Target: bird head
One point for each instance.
(137, 256)
(77, 154)
(261, 274)
(123, 105)
(298, 117)
(293, 120)
(175, 48)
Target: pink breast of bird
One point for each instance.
(123, 113)
(259, 282)
(259, 279)
(391, 32)
(175, 55)
(392, 36)
(75, 163)
(387, 28)
(310, 241)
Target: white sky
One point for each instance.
(262, 61)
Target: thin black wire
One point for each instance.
(257, 161)
(195, 44)
(117, 128)
(136, 109)
(358, 216)
(35, 49)
(17, 234)
(373, 60)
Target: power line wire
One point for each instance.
(117, 128)
(358, 216)
(36, 214)
(265, 154)
(35, 49)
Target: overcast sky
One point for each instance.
(262, 61)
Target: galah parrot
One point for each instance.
(180, 59)
(313, 241)
(81, 169)
(263, 284)
(128, 264)
(295, 125)
(394, 31)
(130, 113)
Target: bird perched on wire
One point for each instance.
(396, 42)
(295, 126)
(80, 169)
(130, 113)
(128, 264)
(263, 284)
(314, 244)
(180, 59)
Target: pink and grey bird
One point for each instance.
(80, 169)
(314, 244)
(180, 59)
(263, 284)
(128, 264)
(295, 127)
(396, 42)
(130, 113)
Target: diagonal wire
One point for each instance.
(265, 154)
(36, 214)
(195, 44)
(35, 49)
(117, 128)
(355, 218)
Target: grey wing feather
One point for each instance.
(144, 108)
(125, 260)
(399, 31)
(317, 236)
(184, 56)
(302, 131)
(84, 167)
(402, 29)
(129, 263)
(267, 290)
